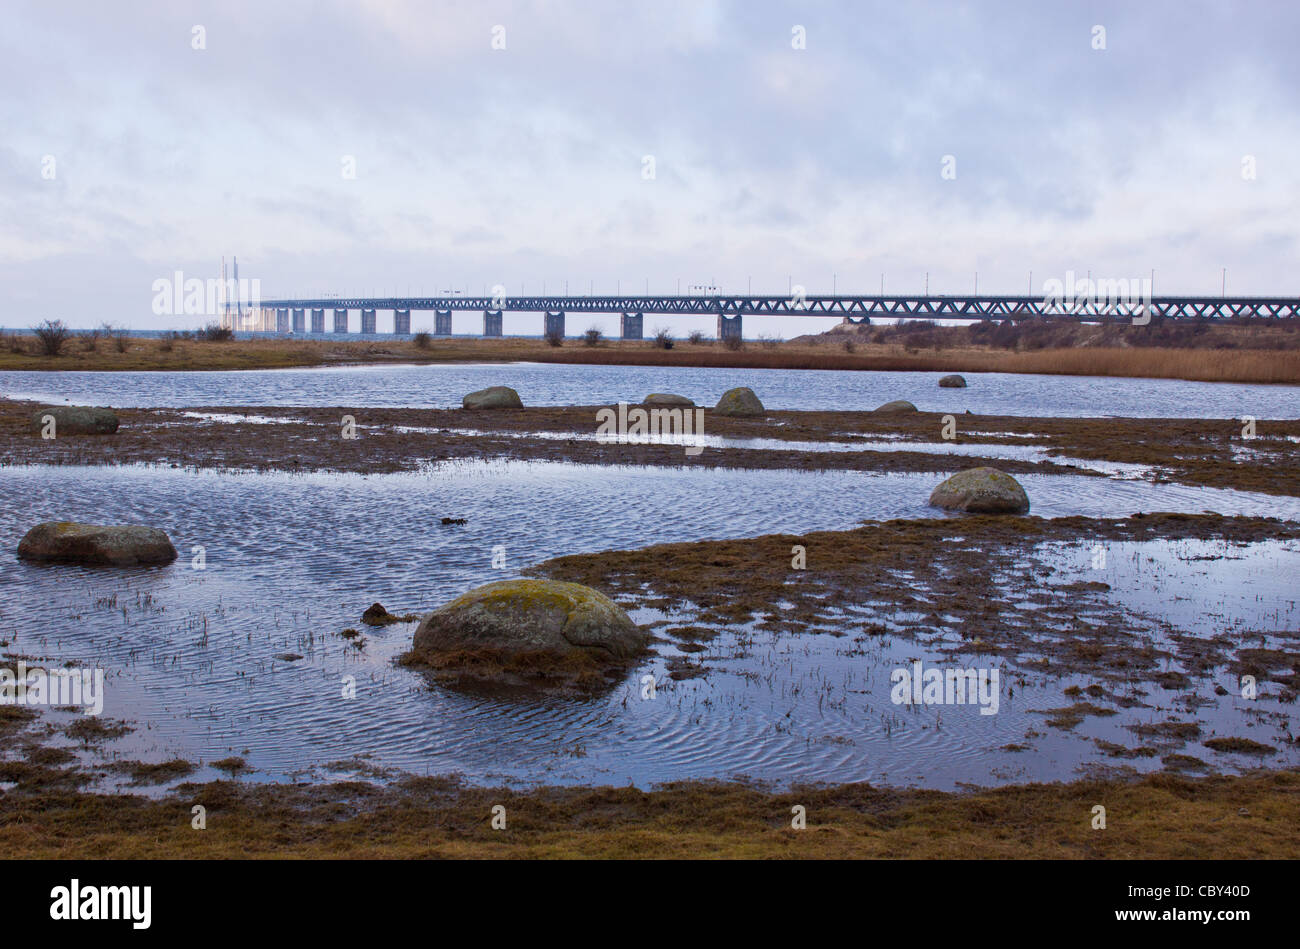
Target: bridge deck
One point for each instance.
(901, 307)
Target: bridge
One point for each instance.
(291, 314)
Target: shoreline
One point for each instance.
(1162, 816)
(1258, 366)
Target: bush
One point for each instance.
(422, 340)
(769, 342)
(592, 337)
(51, 336)
(696, 338)
(216, 333)
(849, 346)
(733, 343)
(90, 341)
(554, 337)
(663, 340)
(15, 343)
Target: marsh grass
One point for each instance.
(1248, 361)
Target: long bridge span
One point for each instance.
(291, 314)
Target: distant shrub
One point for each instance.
(663, 339)
(733, 343)
(769, 342)
(696, 338)
(167, 343)
(592, 337)
(216, 333)
(554, 337)
(51, 337)
(15, 343)
(849, 346)
(422, 340)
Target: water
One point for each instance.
(442, 386)
(291, 560)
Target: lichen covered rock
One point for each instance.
(667, 398)
(981, 491)
(536, 618)
(899, 405)
(739, 402)
(493, 397)
(76, 420)
(116, 545)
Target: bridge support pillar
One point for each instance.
(300, 321)
(318, 321)
(281, 320)
(401, 322)
(442, 322)
(368, 321)
(491, 322)
(553, 324)
(729, 326)
(632, 325)
(340, 320)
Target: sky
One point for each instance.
(402, 147)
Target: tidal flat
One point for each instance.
(786, 573)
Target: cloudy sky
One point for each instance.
(126, 153)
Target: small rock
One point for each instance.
(493, 397)
(739, 402)
(454, 520)
(288, 656)
(952, 382)
(899, 405)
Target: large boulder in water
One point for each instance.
(544, 618)
(740, 402)
(952, 382)
(76, 420)
(117, 545)
(981, 491)
(493, 397)
(667, 398)
(899, 405)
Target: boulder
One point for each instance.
(741, 401)
(667, 398)
(952, 382)
(118, 545)
(493, 397)
(899, 405)
(981, 491)
(77, 420)
(513, 617)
